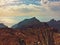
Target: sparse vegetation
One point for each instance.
(41, 36)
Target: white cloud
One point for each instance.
(7, 21)
(51, 9)
(8, 2)
(30, 9)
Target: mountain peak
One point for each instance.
(33, 18)
(2, 25)
(54, 23)
(28, 23)
(52, 20)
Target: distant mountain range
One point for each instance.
(36, 31)
(34, 23)
(54, 23)
(30, 23)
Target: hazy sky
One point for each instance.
(14, 11)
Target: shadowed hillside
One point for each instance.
(3, 26)
(54, 23)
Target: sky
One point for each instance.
(14, 11)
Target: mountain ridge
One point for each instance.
(34, 23)
(54, 23)
(44, 34)
(30, 23)
(3, 26)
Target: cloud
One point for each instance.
(9, 21)
(20, 8)
(54, 0)
(55, 6)
(52, 6)
(18, 2)
(6, 2)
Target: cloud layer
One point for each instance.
(45, 9)
(28, 7)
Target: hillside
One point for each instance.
(3, 26)
(30, 36)
(54, 23)
(30, 32)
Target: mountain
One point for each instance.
(54, 23)
(30, 23)
(38, 33)
(30, 36)
(3, 26)
(35, 23)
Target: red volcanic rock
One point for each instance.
(30, 36)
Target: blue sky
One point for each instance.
(14, 11)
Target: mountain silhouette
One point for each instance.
(54, 23)
(35, 23)
(3, 26)
(30, 23)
